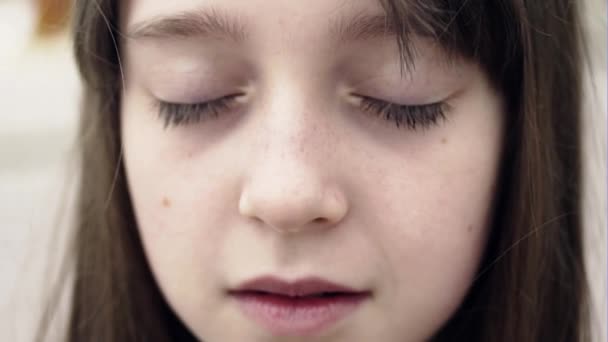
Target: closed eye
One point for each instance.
(406, 116)
(411, 117)
(177, 114)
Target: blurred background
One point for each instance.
(39, 93)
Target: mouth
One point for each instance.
(301, 308)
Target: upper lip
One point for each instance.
(302, 287)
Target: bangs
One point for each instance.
(485, 32)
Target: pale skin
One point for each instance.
(296, 179)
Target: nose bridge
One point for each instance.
(295, 132)
(290, 184)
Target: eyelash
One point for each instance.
(406, 116)
(181, 114)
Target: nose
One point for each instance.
(289, 203)
(292, 184)
(292, 187)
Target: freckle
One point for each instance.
(470, 229)
(444, 140)
(166, 202)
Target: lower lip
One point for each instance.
(302, 316)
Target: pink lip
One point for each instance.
(302, 308)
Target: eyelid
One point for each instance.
(410, 116)
(197, 99)
(386, 99)
(175, 113)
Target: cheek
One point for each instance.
(426, 232)
(178, 209)
(437, 222)
(446, 232)
(432, 239)
(434, 210)
(169, 197)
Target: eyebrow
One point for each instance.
(361, 26)
(201, 23)
(212, 23)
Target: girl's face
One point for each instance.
(297, 169)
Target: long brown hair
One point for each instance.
(531, 284)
